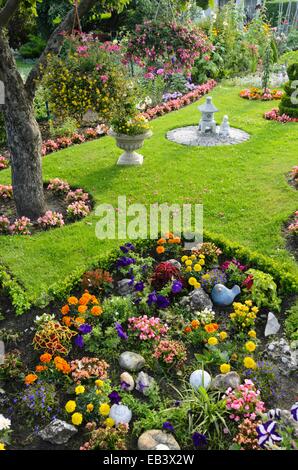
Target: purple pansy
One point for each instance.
(85, 329)
(79, 341)
(266, 433)
(199, 440)
(127, 247)
(152, 298)
(177, 287)
(114, 397)
(294, 411)
(167, 426)
(124, 385)
(120, 332)
(139, 286)
(125, 261)
(162, 301)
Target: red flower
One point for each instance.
(248, 282)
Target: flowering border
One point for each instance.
(274, 115)
(257, 94)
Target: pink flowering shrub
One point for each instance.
(77, 138)
(170, 352)
(77, 195)
(50, 219)
(58, 186)
(77, 210)
(4, 224)
(274, 115)
(21, 226)
(64, 142)
(3, 163)
(90, 133)
(5, 192)
(244, 401)
(146, 328)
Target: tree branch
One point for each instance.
(54, 45)
(7, 11)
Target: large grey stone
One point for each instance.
(197, 300)
(125, 287)
(155, 439)
(144, 382)
(58, 432)
(272, 325)
(131, 361)
(224, 381)
(283, 355)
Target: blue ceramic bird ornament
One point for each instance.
(223, 296)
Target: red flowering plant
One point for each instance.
(170, 47)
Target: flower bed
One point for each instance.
(113, 360)
(274, 115)
(260, 94)
(73, 205)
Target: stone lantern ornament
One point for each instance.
(207, 133)
(207, 123)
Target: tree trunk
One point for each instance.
(23, 137)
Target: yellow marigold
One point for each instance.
(184, 258)
(188, 269)
(104, 409)
(197, 267)
(255, 309)
(202, 262)
(72, 300)
(2, 446)
(250, 346)
(77, 419)
(223, 335)
(252, 334)
(225, 368)
(192, 281)
(249, 363)
(70, 406)
(188, 262)
(109, 422)
(248, 303)
(80, 389)
(99, 383)
(197, 285)
(212, 341)
(193, 257)
(90, 407)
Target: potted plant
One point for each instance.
(130, 134)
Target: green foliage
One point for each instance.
(9, 336)
(33, 48)
(289, 58)
(264, 290)
(293, 71)
(287, 104)
(118, 309)
(40, 104)
(272, 10)
(19, 299)
(64, 128)
(291, 323)
(12, 367)
(152, 88)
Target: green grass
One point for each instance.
(243, 188)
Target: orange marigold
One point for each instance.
(40, 368)
(187, 329)
(72, 300)
(160, 250)
(80, 320)
(85, 299)
(62, 365)
(96, 310)
(45, 358)
(161, 241)
(94, 300)
(82, 308)
(30, 379)
(195, 324)
(66, 320)
(211, 327)
(65, 309)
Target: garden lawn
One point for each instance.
(243, 188)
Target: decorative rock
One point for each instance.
(224, 381)
(125, 287)
(200, 378)
(128, 379)
(223, 296)
(57, 432)
(175, 263)
(272, 326)
(131, 361)
(285, 357)
(197, 300)
(144, 382)
(121, 414)
(190, 136)
(153, 439)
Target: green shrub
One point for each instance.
(264, 290)
(33, 48)
(289, 58)
(293, 71)
(287, 105)
(291, 323)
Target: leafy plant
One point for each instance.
(291, 323)
(264, 290)
(33, 48)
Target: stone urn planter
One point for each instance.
(130, 143)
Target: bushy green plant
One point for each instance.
(118, 309)
(287, 104)
(263, 292)
(40, 103)
(63, 129)
(33, 48)
(153, 89)
(12, 367)
(291, 323)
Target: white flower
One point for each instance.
(4, 423)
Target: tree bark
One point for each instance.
(23, 137)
